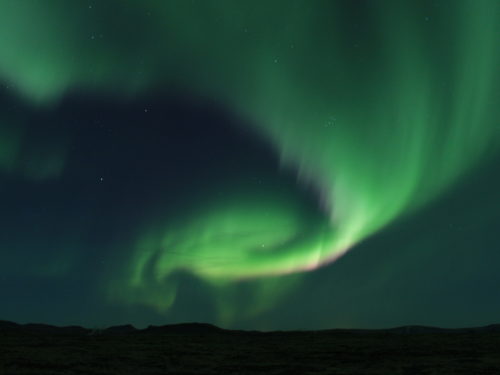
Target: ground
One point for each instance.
(214, 351)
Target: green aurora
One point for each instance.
(380, 106)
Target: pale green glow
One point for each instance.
(382, 106)
(245, 235)
(10, 142)
(32, 158)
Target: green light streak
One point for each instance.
(239, 237)
(383, 106)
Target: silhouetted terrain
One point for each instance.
(197, 348)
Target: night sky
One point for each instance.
(257, 164)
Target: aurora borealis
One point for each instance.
(257, 164)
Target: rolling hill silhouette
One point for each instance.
(200, 348)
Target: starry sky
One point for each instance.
(278, 164)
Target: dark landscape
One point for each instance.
(197, 348)
(294, 171)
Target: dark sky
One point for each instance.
(260, 165)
